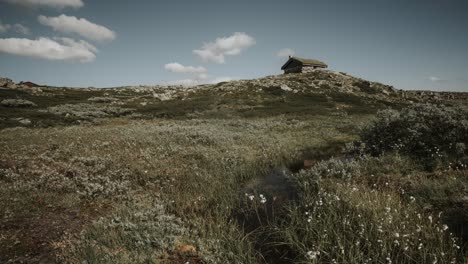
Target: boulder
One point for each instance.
(5, 82)
(24, 121)
(17, 103)
(12, 86)
(286, 88)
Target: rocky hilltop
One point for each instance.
(7, 83)
(316, 92)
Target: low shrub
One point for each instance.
(140, 231)
(88, 111)
(89, 177)
(427, 133)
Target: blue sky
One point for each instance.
(407, 44)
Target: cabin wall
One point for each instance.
(297, 67)
(293, 70)
(293, 67)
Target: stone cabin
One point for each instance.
(299, 65)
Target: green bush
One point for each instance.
(427, 133)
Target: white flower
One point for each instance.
(313, 254)
(444, 227)
(262, 199)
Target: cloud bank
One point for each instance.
(4, 27)
(47, 3)
(51, 49)
(226, 46)
(80, 26)
(284, 53)
(21, 29)
(194, 82)
(179, 68)
(16, 28)
(436, 79)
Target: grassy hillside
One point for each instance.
(252, 171)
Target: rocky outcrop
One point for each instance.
(17, 103)
(102, 99)
(8, 83)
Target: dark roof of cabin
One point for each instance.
(304, 61)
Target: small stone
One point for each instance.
(25, 121)
(286, 88)
(17, 103)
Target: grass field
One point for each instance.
(217, 177)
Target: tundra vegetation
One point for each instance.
(320, 167)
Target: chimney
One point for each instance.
(289, 56)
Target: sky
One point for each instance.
(410, 44)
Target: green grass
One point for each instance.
(180, 175)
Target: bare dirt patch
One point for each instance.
(31, 240)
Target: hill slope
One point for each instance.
(318, 92)
(249, 171)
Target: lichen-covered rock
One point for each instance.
(5, 82)
(17, 103)
(286, 88)
(162, 96)
(24, 121)
(102, 99)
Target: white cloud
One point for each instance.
(47, 3)
(199, 74)
(226, 46)
(21, 29)
(195, 82)
(285, 53)
(203, 76)
(81, 26)
(4, 27)
(46, 48)
(436, 79)
(221, 79)
(177, 67)
(16, 27)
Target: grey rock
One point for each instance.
(5, 82)
(17, 103)
(25, 121)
